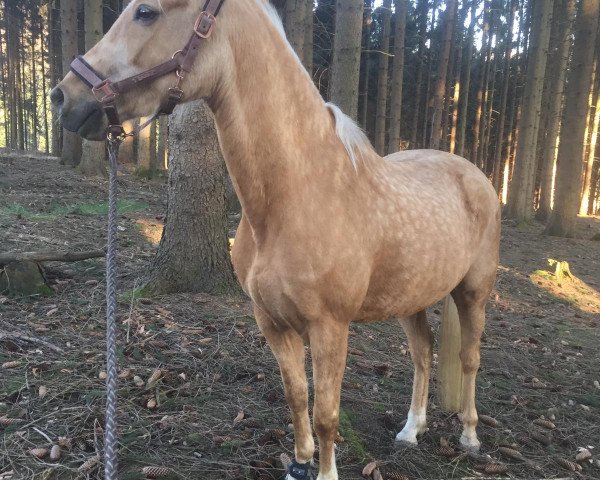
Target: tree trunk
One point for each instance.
(345, 66)
(365, 69)
(498, 154)
(397, 77)
(440, 87)
(163, 130)
(591, 153)
(193, 255)
(309, 23)
(422, 8)
(520, 200)
(570, 151)
(295, 25)
(486, 38)
(558, 65)
(93, 154)
(71, 148)
(144, 152)
(464, 101)
(382, 78)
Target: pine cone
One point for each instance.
(156, 472)
(583, 455)
(39, 452)
(8, 365)
(542, 422)
(285, 460)
(89, 464)
(492, 468)
(445, 451)
(251, 422)
(527, 441)
(541, 438)
(278, 433)
(511, 453)
(221, 439)
(339, 438)
(394, 475)
(154, 377)
(7, 422)
(489, 421)
(567, 464)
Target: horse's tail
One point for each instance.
(450, 373)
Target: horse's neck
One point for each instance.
(277, 136)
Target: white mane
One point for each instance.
(353, 138)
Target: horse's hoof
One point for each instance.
(469, 444)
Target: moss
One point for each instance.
(356, 445)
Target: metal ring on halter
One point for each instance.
(178, 52)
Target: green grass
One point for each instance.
(83, 209)
(357, 446)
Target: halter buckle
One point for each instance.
(205, 24)
(104, 92)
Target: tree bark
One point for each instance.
(163, 130)
(345, 67)
(93, 154)
(397, 77)
(365, 69)
(558, 64)
(570, 151)
(520, 200)
(440, 87)
(193, 255)
(464, 100)
(498, 154)
(71, 147)
(422, 8)
(591, 153)
(295, 25)
(309, 24)
(382, 78)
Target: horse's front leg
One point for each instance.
(329, 346)
(288, 348)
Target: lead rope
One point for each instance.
(110, 428)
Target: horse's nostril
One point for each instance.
(57, 97)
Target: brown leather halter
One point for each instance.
(106, 91)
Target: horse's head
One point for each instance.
(148, 33)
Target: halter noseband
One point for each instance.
(106, 92)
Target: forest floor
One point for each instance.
(540, 357)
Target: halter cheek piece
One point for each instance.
(106, 91)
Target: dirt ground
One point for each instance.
(540, 357)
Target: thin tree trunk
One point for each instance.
(163, 129)
(309, 36)
(422, 8)
(397, 77)
(45, 66)
(498, 154)
(480, 89)
(520, 201)
(428, 112)
(464, 101)
(71, 148)
(382, 78)
(93, 154)
(193, 255)
(570, 151)
(365, 68)
(144, 155)
(345, 66)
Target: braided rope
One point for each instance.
(110, 429)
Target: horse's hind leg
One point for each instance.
(420, 341)
(470, 297)
(288, 348)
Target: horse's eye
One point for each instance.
(145, 14)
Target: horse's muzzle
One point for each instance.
(85, 118)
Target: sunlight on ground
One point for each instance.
(568, 289)
(151, 229)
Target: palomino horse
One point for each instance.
(331, 232)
